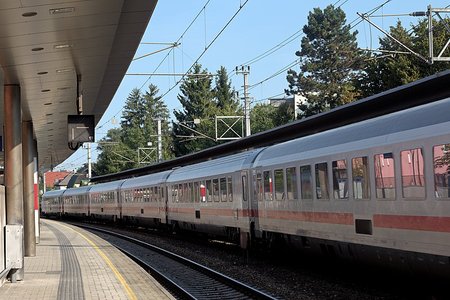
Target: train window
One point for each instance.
(340, 179)
(259, 187)
(192, 192)
(413, 181)
(441, 161)
(279, 184)
(223, 189)
(360, 175)
(174, 193)
(196, 192)
(180, 193)
(322, 181)
(244, 187)
(306, 182)
(384, 176)
(291, 183)
(230, 189)
(208, 191)
(216, 190)
(268, 189)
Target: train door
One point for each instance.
(246, 233)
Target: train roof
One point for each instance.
(77, 191)
(426, 90)
(215, 167)
(399, 124)
(105, 187)
(146, 180)
(53, 193)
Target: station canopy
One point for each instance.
(59, 50)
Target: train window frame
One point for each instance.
(340, 192)
(196, 192)
(223, 189)
(380, 160)
(306, 189)
(230, 188)
(209, 191)
(439, 163)
(267, 185)
(278, 187)
(366, 186)
(291, 183)
(216, 188)
(259, 188)
(319, 182)
(423, 168)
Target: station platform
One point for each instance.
(72, 263)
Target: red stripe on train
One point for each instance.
(424, 223)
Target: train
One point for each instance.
(376, 190)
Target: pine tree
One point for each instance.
(329, 62)
(197, 100)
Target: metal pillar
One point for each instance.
(159, 141)
(28, 188)
(36, 193)
(13, 158)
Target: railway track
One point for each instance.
(185, 278)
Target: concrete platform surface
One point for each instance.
(72, 263)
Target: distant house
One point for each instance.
(54, 178)
(293, 101)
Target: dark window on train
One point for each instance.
(180, 193)
(306, 182)
(384, 176)
(230, 189)
(360, 175)
(196, 192)
(209, 191)
(441, 162)
(174, 193)
(223, 189)
(322, 181)
(161, 193)
(413, 181)
(267, 185)
(259, 187)
(244, 187)
(216, 190)
(279, 184)
(291, 183)
(340, 179)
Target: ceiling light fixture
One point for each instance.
(61, 10)
(62, 46)
(64, 70)
(29, 14)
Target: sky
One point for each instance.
(255, 28)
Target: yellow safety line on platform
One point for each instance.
(119, 276)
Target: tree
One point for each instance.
(227, 104)
(386, 71)
(119, 149)
(197, 100)
(263, 117)
(329, 63)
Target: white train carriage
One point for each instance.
(104, 200)
(52, 204)
(208, 197)
(76, 202)
(382, 183)
(143, 199)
